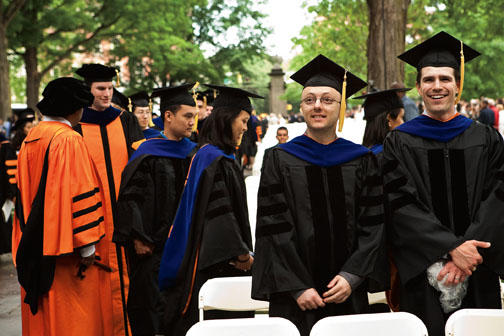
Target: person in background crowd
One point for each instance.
(486, 115)
(410, 108)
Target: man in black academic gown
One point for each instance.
(151, 186)
(320, 214)
(444, 179)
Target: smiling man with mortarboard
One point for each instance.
(320, 215)
(443, 175)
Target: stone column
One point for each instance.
(277, 89)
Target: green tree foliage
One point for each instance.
(341, 29)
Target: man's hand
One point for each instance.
(339, 290)
(310, 300)
(88, 261)
(455, 274)
(243, 262)
(466, 256)
(142, 249)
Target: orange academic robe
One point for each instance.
(73, 218)
(110, 140)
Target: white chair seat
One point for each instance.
(244, 327)
(233, 294)
(465, 322)
(383, 324)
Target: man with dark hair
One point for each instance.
(320, 215)
(60, 216)
(282, 137)
(443, 177)
(111, 137)
(486, 115)
(151, 186)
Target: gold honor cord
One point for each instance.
(343, 104)
(118, 82)
(462, 66)
(151, 124)
(130, 105)
(195, 96)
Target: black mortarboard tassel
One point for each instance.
(378, 102)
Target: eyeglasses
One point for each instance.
(323, 100)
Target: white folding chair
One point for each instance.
(382, 324)
(231, 294)
(244, 327)
(465, 322)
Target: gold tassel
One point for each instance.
(130, 105)
(462, 66)
(151, 124)
(204, 102)
(118, 82)
(343, 105)
(195, 96)
(214, 93)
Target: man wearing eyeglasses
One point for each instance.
(320, 214)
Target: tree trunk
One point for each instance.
(5, 97)
(386, 40)
(33, 77)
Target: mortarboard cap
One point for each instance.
(140, 99)
(97, 72)
(233, 97)
(321, 71)
(175, 95)
(441, 50)
(63, 96)
(120, 100)
(378, 102)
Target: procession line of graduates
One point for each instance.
(121, 241)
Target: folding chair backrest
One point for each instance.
(465, 322)
(233, 294)
(244, 327)
(383, 324)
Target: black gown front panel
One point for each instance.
(439, 193)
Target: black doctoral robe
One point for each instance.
(442, 193)
(312, 223)
(7, 191)
(219, 232)
(151, 187)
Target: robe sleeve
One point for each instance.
(370, 221)
(489, 219)
(136, 206)
(414, 231)
(278, 266)
(8, 171)
(223, 237)
(73, 215)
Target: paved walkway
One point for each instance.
(10, 302)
